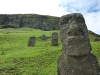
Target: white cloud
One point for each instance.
(46, 7)
(93, 21)
(82, 6)
(89, 8)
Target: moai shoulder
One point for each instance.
(76, 58)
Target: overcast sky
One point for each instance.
(89, 8)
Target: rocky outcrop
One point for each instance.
(36, 21)
(92, 33)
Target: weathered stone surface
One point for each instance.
(76, 58)
(44, 38)
(31, 41)
(36, 21)
(55, 39)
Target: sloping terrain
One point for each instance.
(16, 58)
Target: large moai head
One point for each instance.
(55, 39)
(31, 41)
(74, 35)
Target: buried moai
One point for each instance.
(76, 58)
(55, 39)
(44, 38)
(31, 41)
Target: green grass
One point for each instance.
(16, 58)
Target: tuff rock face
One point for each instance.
(36, 21)
(55, 39)
(76, 58)
(31, 41)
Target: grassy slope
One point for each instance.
(16, 58)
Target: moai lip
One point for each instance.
(79, 59)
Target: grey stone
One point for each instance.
(31, 41)
(44, 38)
(76, 58)
(55, 39)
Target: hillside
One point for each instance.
(93, 36)
(36, 21)
(16, 58)
(43, 22)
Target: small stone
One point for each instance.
(44, 38)
(31, 41)
(55, 39)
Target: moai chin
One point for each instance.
(76, 58)
(44, 37)
(31, 41)
(55, 39)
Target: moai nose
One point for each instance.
(74, 22)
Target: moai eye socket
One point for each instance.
(65, 21)
(75, 32)
(80, 20)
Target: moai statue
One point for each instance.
(31, 41)
(76, 58)
(55, 39)
(44, 37)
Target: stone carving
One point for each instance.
(31, 41)
(44, 37)
(76, 58)
(55, 39)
